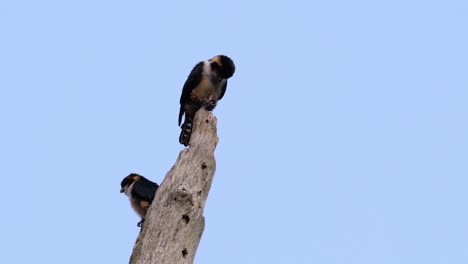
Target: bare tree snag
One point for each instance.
(174, 223)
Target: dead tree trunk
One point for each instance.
(175, 222)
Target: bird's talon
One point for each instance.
(209, 104)
(140, 224)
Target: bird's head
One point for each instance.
(223, 66)
(128, 181)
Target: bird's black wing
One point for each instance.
(192, 81)
(144, 189)
(223, 90)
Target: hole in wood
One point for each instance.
(207, 121)
(203, 166)
(182, 198)
(186, 218)
(199, 193)
(184, 252)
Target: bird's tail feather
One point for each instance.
(186, 132)
(181, 113)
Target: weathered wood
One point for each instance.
(175, 222)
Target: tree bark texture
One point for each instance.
(174, 223)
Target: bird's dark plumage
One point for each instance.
(205, 86)
(140, 192)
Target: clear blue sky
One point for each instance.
(343, 133)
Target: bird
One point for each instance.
(140, 192)
(205, 86)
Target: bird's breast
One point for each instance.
(139, 209)
(206, 89)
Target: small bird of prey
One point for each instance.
(140, 192)
(205, 86)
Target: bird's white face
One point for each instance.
(206, 68)
(128, 190)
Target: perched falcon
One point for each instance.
(140, 192)
(205, 85)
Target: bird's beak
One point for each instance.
(122, 190)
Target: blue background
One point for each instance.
(343, 133)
